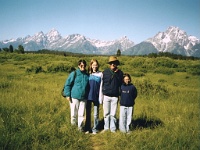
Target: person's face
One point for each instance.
(126, 80)
(94, 66)
(113, 66)
(82, 67)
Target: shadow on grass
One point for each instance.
(145, 122)
(138, 123)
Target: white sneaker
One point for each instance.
(104, 131)
(94, 133)
(129, 132)
(87, 132)
(113, 131)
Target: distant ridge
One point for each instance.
(173, 40)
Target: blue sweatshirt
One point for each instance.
(128, 95)
(95, 83)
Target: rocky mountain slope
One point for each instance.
(173, 40)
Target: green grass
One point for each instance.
(34, 115)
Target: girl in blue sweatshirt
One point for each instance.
(95, 96)
(127, 101)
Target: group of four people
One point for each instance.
(83, 88)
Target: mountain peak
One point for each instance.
(124, 37)
(173, 38)
(39, 34)
(53, 31)
(173, 28)
(176, 32)
(53, 35)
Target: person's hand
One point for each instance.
(101, 101)
(69, 99)
(116, 70)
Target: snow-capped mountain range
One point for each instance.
(75, 43)
(172, 40)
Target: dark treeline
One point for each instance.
(63, 53)
(10, 49)
(171, 55)
(118, 53)
(46, 51)
(151, 55)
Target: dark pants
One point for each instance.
(88, 116)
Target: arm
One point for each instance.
(134, 92)
(68, 85)
(100, 90)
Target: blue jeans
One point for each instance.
(125, 118)
(110, 108)
(96, 115)
(77, 109)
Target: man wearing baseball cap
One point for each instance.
(112, 80)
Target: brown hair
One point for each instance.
(82, 61)
(127, 75)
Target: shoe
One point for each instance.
(87, 132)
(104, 131)
(113, 131)
(122, 131)
(94, 133)
(80, 130)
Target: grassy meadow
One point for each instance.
(34, 115)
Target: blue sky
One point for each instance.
(98, 19)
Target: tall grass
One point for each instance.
(35, 116)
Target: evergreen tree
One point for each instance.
(11, 49)
(5, 49)
(21, 49)
(118, 52)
